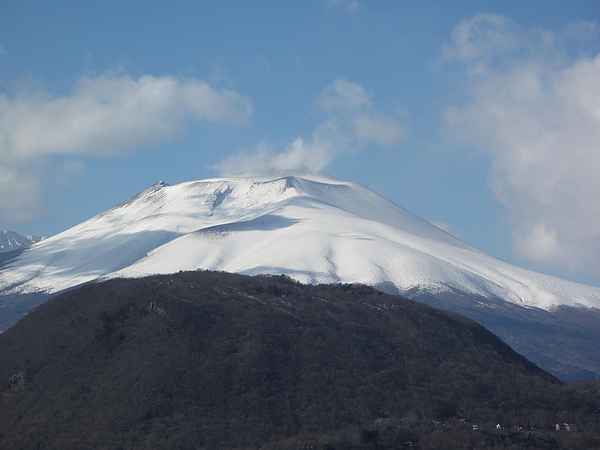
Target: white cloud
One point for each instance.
(351, 115)
(349, 5)
(480, 39)
(66, 170)
(536, 112)
(20, 197)
(104, 115)
(582, 30)
(298, 157)
(351, 121)
(109, 114)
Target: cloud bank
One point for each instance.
(351, 122)
(104, 115)
(536, 113)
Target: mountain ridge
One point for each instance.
(216, 360)
(313, 228)
(11, 240)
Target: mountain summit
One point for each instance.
(315, 229)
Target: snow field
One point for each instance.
(315, 229)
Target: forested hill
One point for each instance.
(216, 360)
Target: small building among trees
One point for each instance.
(564, 426)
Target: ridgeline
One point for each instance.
(217, 360)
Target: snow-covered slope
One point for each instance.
(9, 240)
(315, 229)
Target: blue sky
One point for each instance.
(481, 117)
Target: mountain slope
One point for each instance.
(215, 360)
(315, 229)
(9, 240)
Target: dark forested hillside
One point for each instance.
(215, 360)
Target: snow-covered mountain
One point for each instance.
(315, 229)
(9, 240)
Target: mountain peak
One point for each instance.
(314, 228)
(10, 240)
(320, 230)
